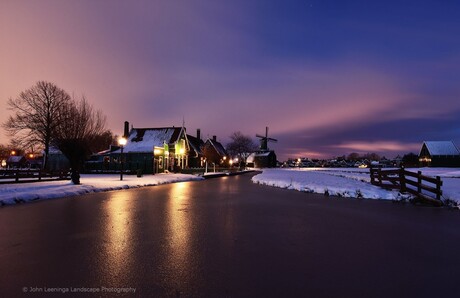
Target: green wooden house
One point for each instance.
(154, 150)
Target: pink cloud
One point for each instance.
(378, 146)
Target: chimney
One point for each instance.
(198, 134)
(126, 131)
(214, 139)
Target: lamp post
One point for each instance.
(122, 143)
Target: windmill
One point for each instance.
(264, 140)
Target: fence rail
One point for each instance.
(31, 175)
(425, 188)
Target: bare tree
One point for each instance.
(80, 126)
(241, 146)
(103, 141)
(353, 156)
(36, 115)
(410, 160)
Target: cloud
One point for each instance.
(379, 146)
(318, 85)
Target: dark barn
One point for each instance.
(262, 159)
(439, 154)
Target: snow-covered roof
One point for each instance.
(441, 148)
(195, 143)
(253, 155)
(265, 153)
(145, 139)
(15, 158)
(103, 152)
(53, 150)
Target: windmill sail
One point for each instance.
(265, 139)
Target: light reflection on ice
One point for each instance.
(179, 226)
(118, 248)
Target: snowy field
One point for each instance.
(26, 192)
(351, 182)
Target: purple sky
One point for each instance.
(328, 77)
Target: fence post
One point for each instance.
(17, 175)
(438, 188)
(419, 182)
(40, 175)
(402, 180)
(379, 172)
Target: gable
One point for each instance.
(217, 146)
(195, 144)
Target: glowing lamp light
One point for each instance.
(13, 152)
(122, 141)
(181, 151)
(157, 151)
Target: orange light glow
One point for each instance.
(118, 245)
(179, 231)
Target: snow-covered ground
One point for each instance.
(351, 182)
(25, 192)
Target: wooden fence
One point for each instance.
(31, 175)
(425, 188)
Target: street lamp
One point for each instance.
(122, 142)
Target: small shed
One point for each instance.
(16, 161)
(57, 161)
(439, 154)
(262, 159)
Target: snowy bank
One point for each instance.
(350, 182)
(26, 192)
(209, 175)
